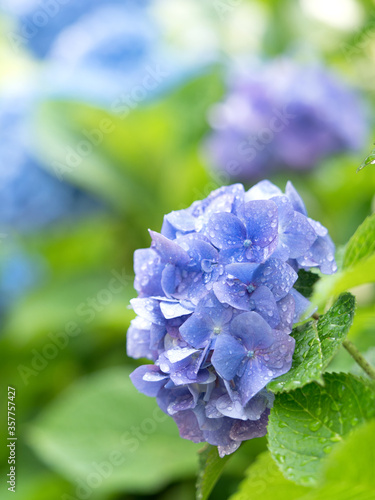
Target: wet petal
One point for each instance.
(226, 231)
(148, 379)
(227, 356)
(278, 276)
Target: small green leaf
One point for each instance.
(305, 282)
(369, 160)
(362, 243)
(316, 344)
(102, 425)
(306, 424)
(264, 481)
(211, 467)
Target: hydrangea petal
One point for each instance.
(227, 356)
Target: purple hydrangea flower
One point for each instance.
(282, 115)
(216, 307)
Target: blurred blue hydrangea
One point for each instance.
(110, 53)
(283, 115)
(31, 198)
(42, 21)
(216, 307)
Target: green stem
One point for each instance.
(358, 358)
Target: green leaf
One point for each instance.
(264, 481)
(316, 344)
(362, 243)
(211, 467)
(351, 466)
(102, 423)
(347, 474)
(305, 282)
(307, 423)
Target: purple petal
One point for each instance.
(277, 359)
(226, 231)
(227, 356)
(148, 379)
(242, 431)
(188, 426)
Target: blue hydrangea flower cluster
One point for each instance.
(282, 115)
(216, 307)
(107, 52)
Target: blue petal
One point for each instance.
(196, 330)
(198, 250)
(244, 272)
(148, 309)
(295, 230)
(302, 306)
(138, 339)
(278, 276)
(227, 356)
(253, 331)
(261, 221)
(262, 191)
(226, 231)
(168, 250)
(265, 305)
(148, 379)
(295, 198)
(148, 271)
(173, 309)
(286, 307)
(233, 293)
(177, 222)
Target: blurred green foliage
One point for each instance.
(75, 402)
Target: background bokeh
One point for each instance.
(113, 113)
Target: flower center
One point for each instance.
(217, 330)
(250, 354)
(250, 288)
(247, 243)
